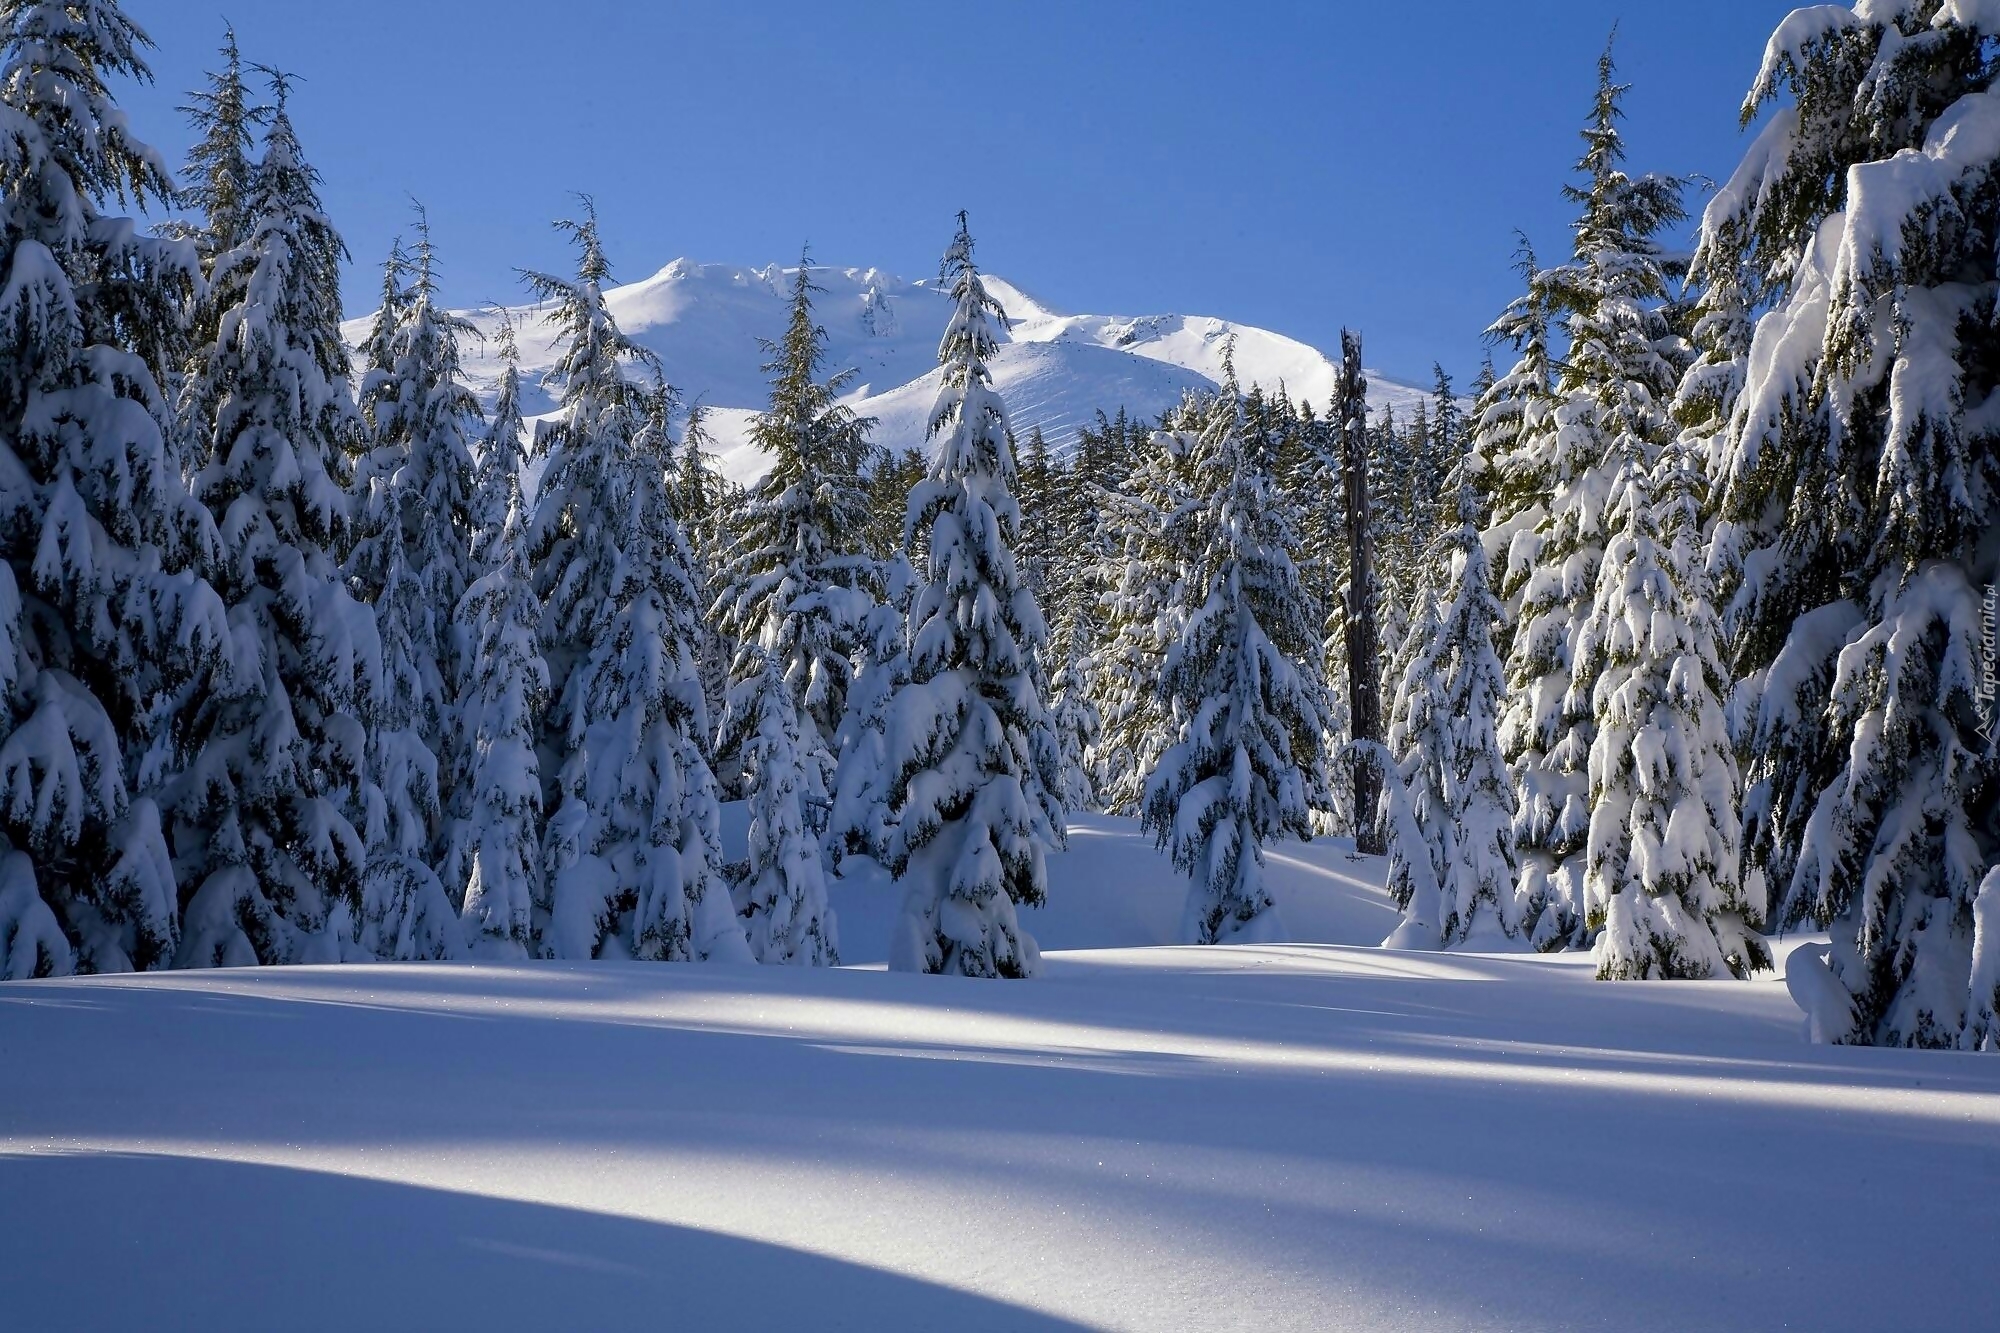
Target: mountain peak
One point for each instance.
(1054, 370)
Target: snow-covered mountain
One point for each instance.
(1056, 372)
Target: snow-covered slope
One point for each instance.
(1305, 1136)
(1058, 370)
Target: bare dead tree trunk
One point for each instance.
(1364, 678)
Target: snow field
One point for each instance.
(1301, 1136)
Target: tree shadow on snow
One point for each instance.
(137, 1240)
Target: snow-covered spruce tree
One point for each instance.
(1401, 522)
(405, 911)
(1041, 564)
(1482, 385)
(1859, 472)
(632, 846)
(862, 818)
(1247, 762)
(496, 471)
(1413, 794)
(1511, 448)
(1610, 407)
(782, 898)
(889, 476)
(1663, 882)
(99, 639)
(1312, 473)
(378, 348)
(973, 764)
(218, 169)
(1075, 720)
(413, 562)
(419, 470)
(269, 819)
(1445, 731)
(1443, 444)
(1144, 606)
(702, 495)
(798, 584)
(705, 502)
(499, 715)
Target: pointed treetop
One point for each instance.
(1524, 256)
(1605, 147)
(218, 166)
(1229, 381)
(592, 266)
(968, 338)
(503, 339)
(423, 257)
(796, 357)
(281, 87)
(961, 275)
(281, 140)
(379, 348)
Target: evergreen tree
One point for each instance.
(1414, 790)
(1444, 733)
(1391, 525)
(1443, 446)
(378, 349)
(1311, 471)
(502, 697)
(1859, 471)
(501, 707)
(1511, 441)
(413, 561)
(632, 847)
(219, 166)
(1042, 567)
(102, 630)
(1076, 723)
(1144, 607)
(797, 585)
(268, 823)
(782, 898)
(1482, 384)
(861, 817)
(705, 501)
(1663, 881)
(701, 493)
(974, 765)
(496, 474)
(1404, 526)
(1244, 766)
(1610, 410)
(889, 478)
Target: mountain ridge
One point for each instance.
(1054, 370)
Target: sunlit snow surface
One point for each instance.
(1309, 1136)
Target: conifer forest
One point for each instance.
(496, 832)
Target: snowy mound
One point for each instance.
(1297, 1136)
(704, 322)
(1286, 1137)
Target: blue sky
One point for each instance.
(1295, 166)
